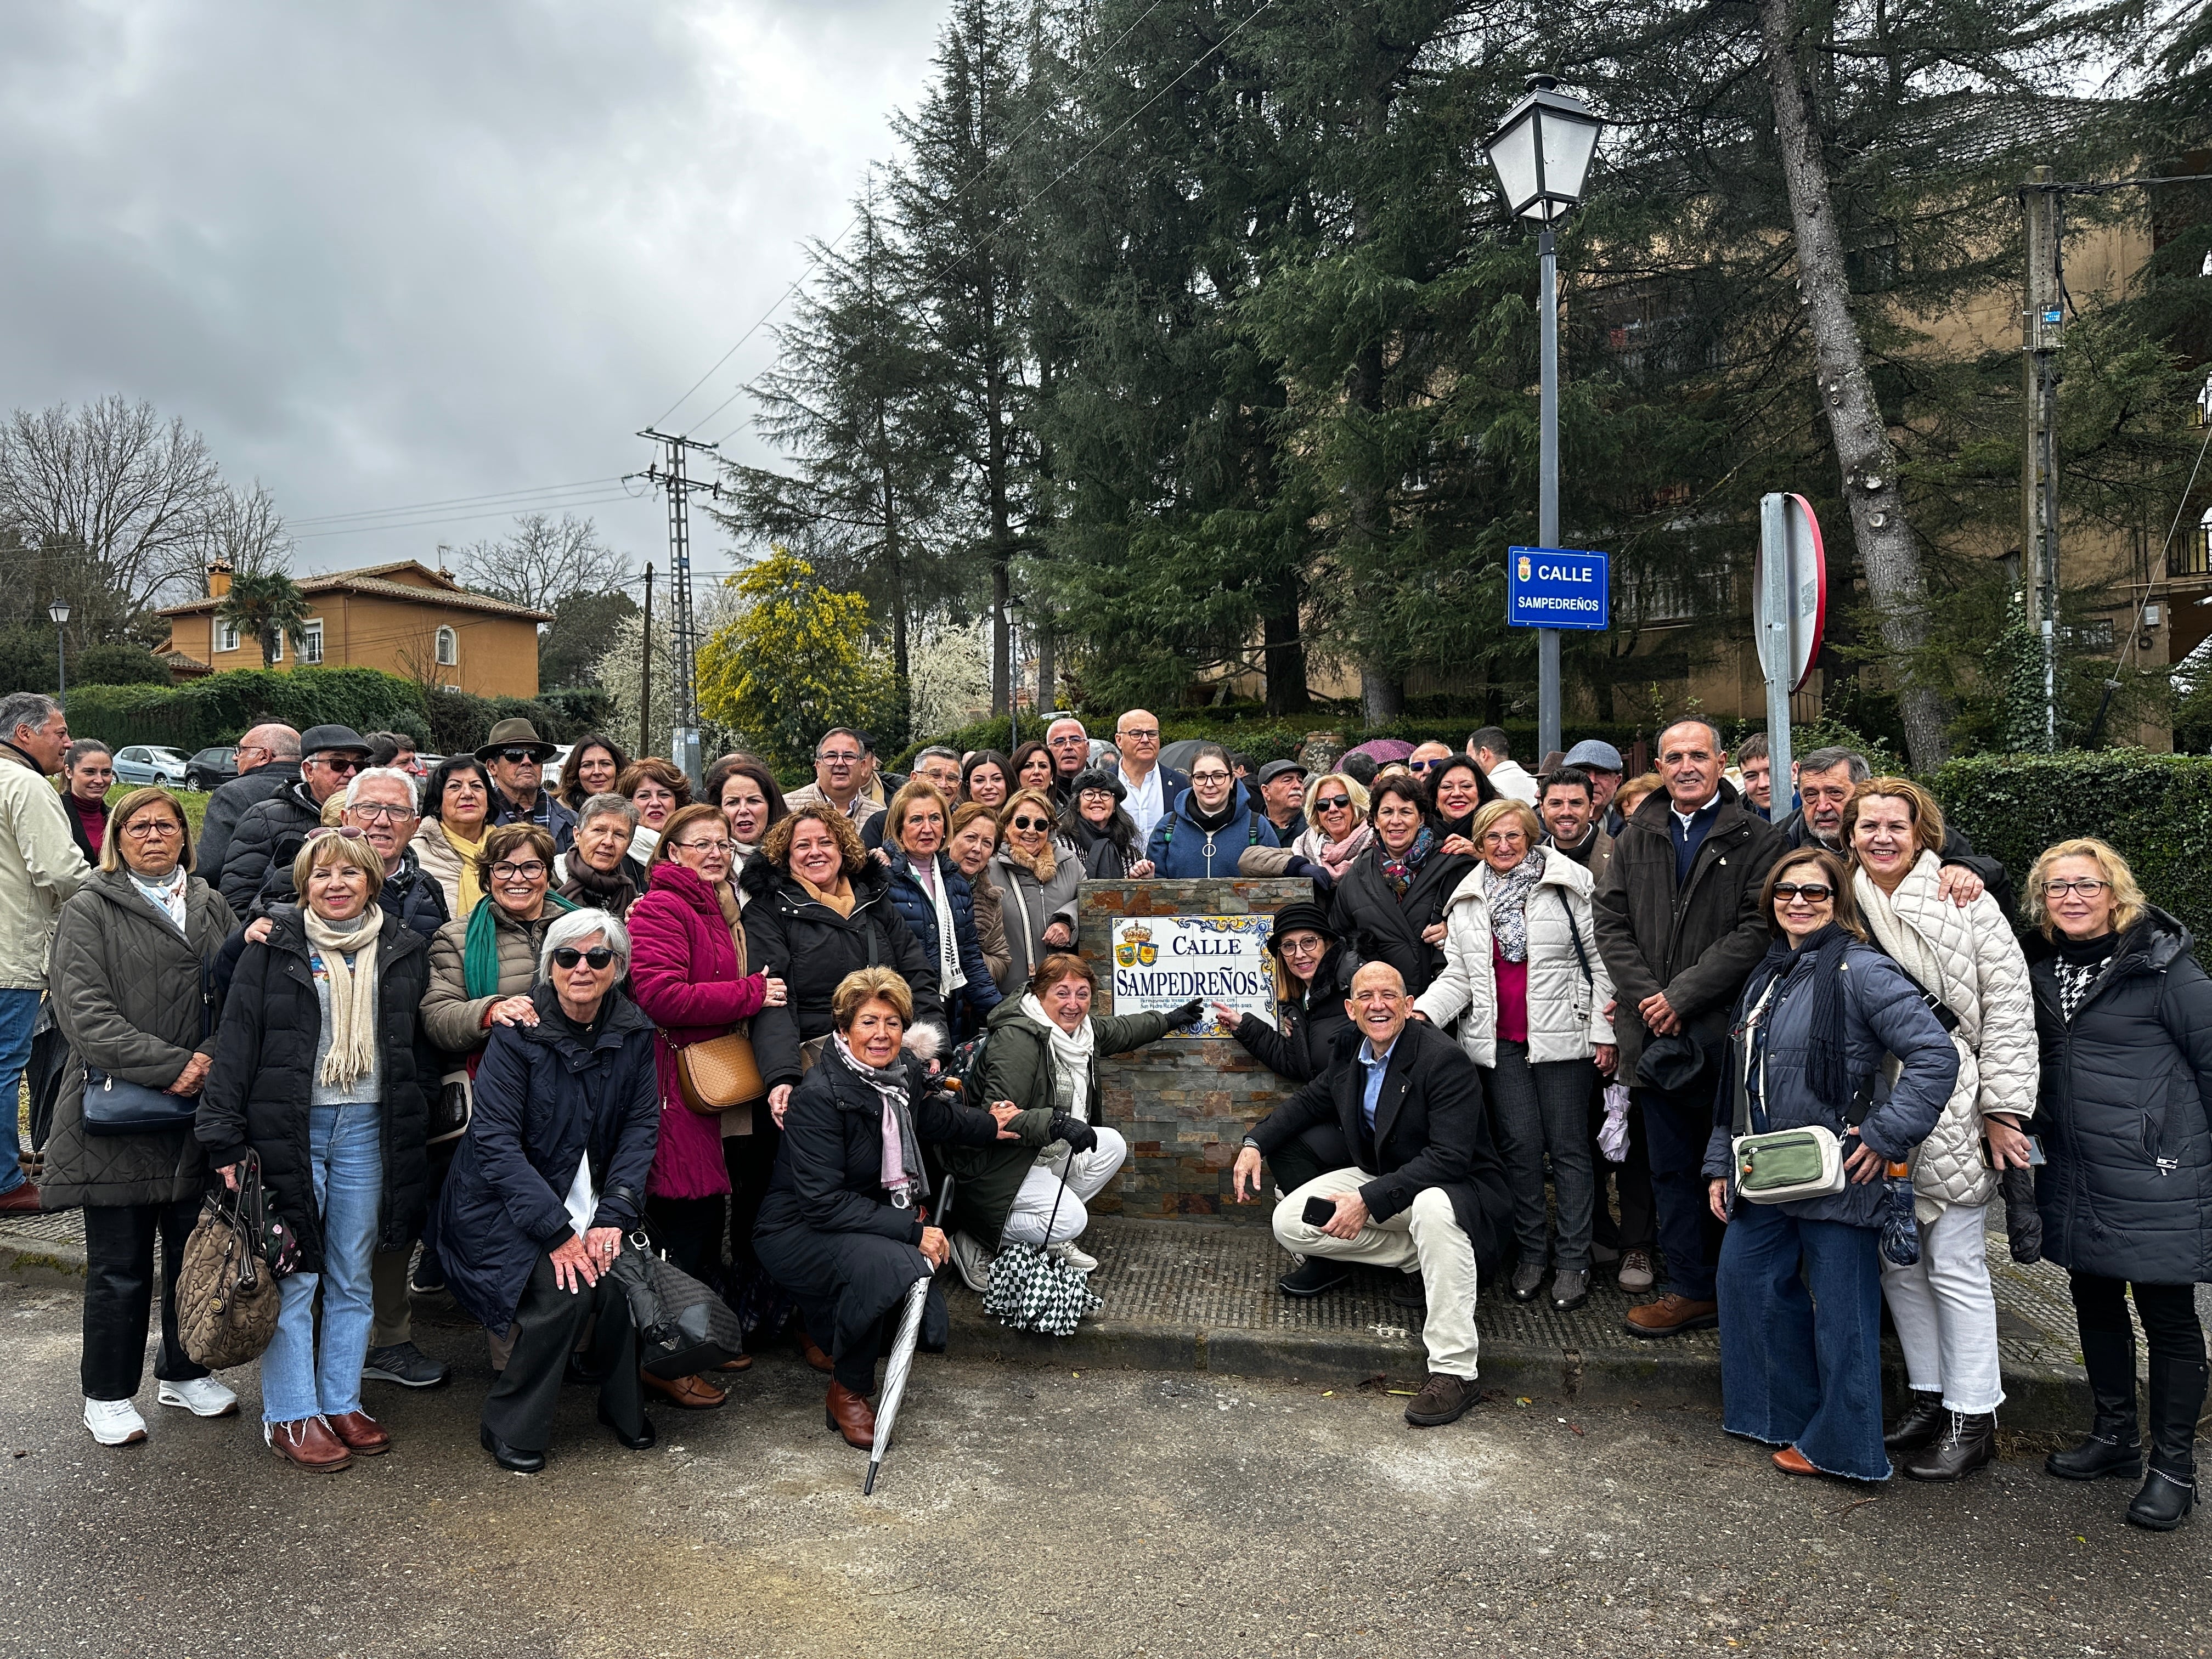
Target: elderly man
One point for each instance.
(1606, 768)
(515, 756)
(1427, 757)
(1283, 796)
(1493, 751)
(270, 832)
(1826, 781)
(268, 759)
(1679, 924)
(1425, 1191)
(1069, 745)
(839, 762)
(1153, 787)
(940, 767)
(39, 867)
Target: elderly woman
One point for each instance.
(1043, 1060)
(321, 1071)
(547, 1181)
(1799, 1283)
(1390, 905)
(1336, 833)
(2124, 1016)
(595, 763)
(1313, 972)
(936, 903)
(656, 789)
(88, 773)
(1036, 874)
(842, 1229)
(750, 799)
(1970, 961)
(484, 962)
(598, 872)
(1031, 768)
(449, 842)
(1102, 832)
(1208, 827)
(1522, 977)
(132, 977)
(819, 908)
(986, 779)
(974, 837)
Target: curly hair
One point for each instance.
(776, 849)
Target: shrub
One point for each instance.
(219, 707)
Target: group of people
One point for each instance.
(1529, 1025)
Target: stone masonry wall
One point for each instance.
(1184, 1103)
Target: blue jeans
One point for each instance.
(1677, 1124)
(1801, 1338)
(346, 1150)
(19, 1013)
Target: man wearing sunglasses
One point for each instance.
(1426, 759)
(271, 830)
(516, 757)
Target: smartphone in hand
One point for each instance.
(1320, 1211)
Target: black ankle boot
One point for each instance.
(1922, 1422)
(1968, 1442)
(2113, 1451)
(2177, 1399)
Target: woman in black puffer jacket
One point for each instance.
(1100, 828)
(1390, 903)
(2124, 1016)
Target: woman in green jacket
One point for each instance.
(1042, 1058)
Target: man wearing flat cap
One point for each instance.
(515, 756)
(271, 832)
(1283, 796)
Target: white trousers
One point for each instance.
(1425, 1233)
(1086, 1173)
(1946, 1313)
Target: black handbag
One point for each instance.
(682, 1327)
(113, 1107)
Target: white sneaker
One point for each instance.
(203, 1397)
(1082, 1261)
(114, 1422)
(973, 1260)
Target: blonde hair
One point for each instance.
(913, 790)
(1919, 806)
(350, 847)
(1035, 798)
(136, 801)
(2127, 897)
(1352, 787)
(1490, 812)
(864, 986)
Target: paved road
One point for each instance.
(1038, 1513)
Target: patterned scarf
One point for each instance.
(1399, 872)
(902, 1175)
(1334, 856)
(1509, 905)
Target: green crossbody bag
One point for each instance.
(1780, 1164)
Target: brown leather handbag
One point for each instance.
(719, 1073)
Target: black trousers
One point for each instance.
(1313, 1154)
(1679, 1124)
(118, 1294)
(845, 1285)
(547, 1324)
(2168, 1311)
(1637, 1228)
(751, 1160)
(690, 1230)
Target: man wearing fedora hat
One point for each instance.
(516, 756)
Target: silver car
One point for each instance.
(144, 762)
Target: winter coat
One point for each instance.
(409, 892)
(991, 927)
(39, 868)
(810, 947)
(548, 813)
(684, 972)
(1106, 854)
(257, 1094)
(1029, 906)
(1430, 1131)
(1364, 912)
(1957, 849)
(1697, 942)
(269, 834)
(1594, 855)
(1298, 1046)
(1178, 847)
(452, 1018)
(1018, 1065)
(2122, 1111)
(981, 992)
(440, 860)
(1883, 1013)
(544, 1098)
(1568, 986)
(230, 803)
(136, 998)
(1982, 980)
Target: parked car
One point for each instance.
(144, 763)
(211, 767)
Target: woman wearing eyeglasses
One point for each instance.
(1211, 824)
(2124, 1016)
(1103, 835)
(1037, 873)
(1799, 1281)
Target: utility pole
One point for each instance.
(670, 476)
(645, 674)
(2042, 321)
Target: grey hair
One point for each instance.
(383, 774)
(937, 751)
(1075, 721)
(25, 709)
(1695, 719)
(1828, 760)
(573, 925)
(608, 806)
(284, 741)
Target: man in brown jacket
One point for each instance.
(1678, 925)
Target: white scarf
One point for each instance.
(166, 896)
(1071, 1058)
(948, 976)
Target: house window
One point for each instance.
(277, 649)
(226, 635)
(449, 647)
(311, 643)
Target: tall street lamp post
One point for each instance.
(59, 610)
(1542, 152)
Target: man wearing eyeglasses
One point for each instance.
(268, 759)
(1153, 787)
(271, 831)
(1069, 745)
(839, 778)
(1826, 781)
(515, 756)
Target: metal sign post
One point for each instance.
(1791, 611)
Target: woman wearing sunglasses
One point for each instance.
(1800, 1281)
(2124, 1014)
(1037, 873)
(1211, 825)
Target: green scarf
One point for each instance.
(480, 953)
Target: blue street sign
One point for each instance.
(1558, 587)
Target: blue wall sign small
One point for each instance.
(1558, 587)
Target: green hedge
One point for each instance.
(2155, 808)
(219, 707)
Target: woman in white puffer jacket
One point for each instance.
(1522, 976)
(1969, 959)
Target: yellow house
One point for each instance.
(404, 618)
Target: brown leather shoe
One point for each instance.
(1670, 1316)
(693, 1394)
(743, 1362)
(23, 1200)
(1791, 1461)
(309, 1443)
(812, 1350)
(361, 1433)
(851, 1416)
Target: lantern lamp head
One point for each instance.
(1542, 151)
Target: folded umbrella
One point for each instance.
(895, 1374)
(1900, 1233)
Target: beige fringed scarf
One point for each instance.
(353, 993)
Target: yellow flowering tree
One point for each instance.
(794, 661)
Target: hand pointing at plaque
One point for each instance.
(1226, 1017)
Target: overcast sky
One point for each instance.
(414, 250)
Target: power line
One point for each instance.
(459, 501)
(458, 518)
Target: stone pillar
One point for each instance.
(1184, 1103)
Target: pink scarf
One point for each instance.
(1335, 857)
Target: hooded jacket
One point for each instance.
(1179, 847)
(1568, 986)
(39, 868)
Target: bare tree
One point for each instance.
(246, 531)
(113, 486)
(540, 562)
